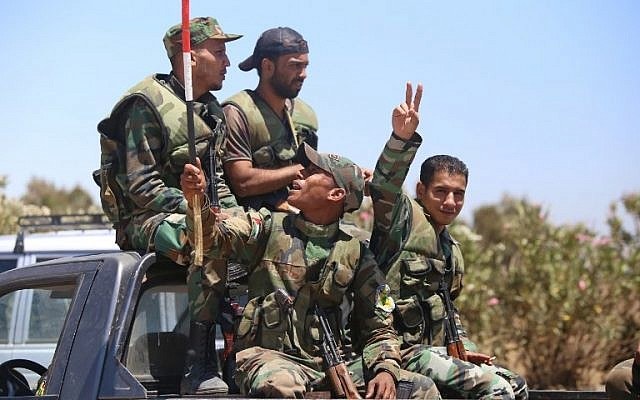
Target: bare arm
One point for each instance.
(249, 181)
(244, 178)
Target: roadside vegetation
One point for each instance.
(558, 303)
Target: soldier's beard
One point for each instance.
(286, 90)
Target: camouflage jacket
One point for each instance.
(148, 121)
(409, 251)
(258, 135)
(315, 265)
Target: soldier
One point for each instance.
(144, 147)
(316, 264)
(418, 255)
(623, 381)
(266, 125)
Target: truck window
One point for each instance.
(6, 312)
(46, 316)
(31, 321)
(158, 341)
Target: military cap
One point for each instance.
(275, 42)
(347, 175)
(201, 28)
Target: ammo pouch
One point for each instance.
(307, 135)
(263, 324)
(274, 155)
(434, 308)
(417, 319)
(409, 319)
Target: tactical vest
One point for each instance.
(414, 276)
(296, 331)
(169, 111)
(272, 145)
(270, 140)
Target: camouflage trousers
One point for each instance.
(163, 233)
(268, 373)
(619, 382)
(457, 378)
(166, 234)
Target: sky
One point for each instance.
(541, 99)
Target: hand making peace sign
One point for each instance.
(405, 117)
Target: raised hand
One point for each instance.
(405, 117)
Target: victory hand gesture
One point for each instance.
(405, 117)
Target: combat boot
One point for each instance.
(201, 364)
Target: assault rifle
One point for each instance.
(341, 383)
(455, 347)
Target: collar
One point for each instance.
(311, 230)
(446, 236)
(178, 89)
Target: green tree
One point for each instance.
(9, 210)
(557, 301)
(59, 200)
(42, 198)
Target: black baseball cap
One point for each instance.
(275, 42)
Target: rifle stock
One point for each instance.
(456, 349)
(341, 384)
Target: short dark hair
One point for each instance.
(442, 162)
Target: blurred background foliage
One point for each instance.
(43, 198)
(558, 304)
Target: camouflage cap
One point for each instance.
(347, 175)
(275, 42)
(202, 28)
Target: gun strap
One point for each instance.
(404, 389)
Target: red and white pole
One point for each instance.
(188, 96)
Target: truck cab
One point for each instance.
(96, 321)
(118, 323)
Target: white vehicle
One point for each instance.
(23, 332)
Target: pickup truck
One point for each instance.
(122, 333)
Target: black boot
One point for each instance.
(201, 363)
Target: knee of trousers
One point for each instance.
(423, 386)
(262, 372)
(497, 387)
(204, 302)
(277, 381)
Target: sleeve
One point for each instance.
(144, 183)
(238, 143)
(242, 235)
(386, 188)
(379, 341)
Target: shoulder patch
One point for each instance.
(384, 301)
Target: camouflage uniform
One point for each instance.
(623, 382)
(317, 265)
(144, 148)
(150, 179)
(415, 260)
